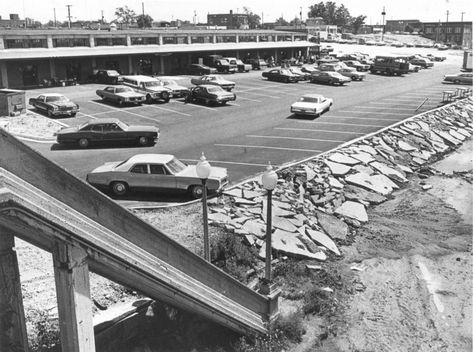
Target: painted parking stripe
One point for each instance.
(196, 105)
(256, 101)
(385, 108)
(315, 130)
(170, 110)
(128, 112)
(340, 123)
(260, 94)
(372, 112)
(267, 147)
(363, 118)
(294, 138)
(225, 162)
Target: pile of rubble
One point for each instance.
(320, 202)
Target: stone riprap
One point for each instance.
(318, 203)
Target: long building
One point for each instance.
(27, 57)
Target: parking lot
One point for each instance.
(258, 127)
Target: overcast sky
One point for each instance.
(269, 10)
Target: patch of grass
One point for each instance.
(43, 332)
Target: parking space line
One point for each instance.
(197, 105)
(233, 104)
(260, 94)
(170, 110)
(267, 147)
(385, 108)
(91, 116)
(339, 123)
(225, 162)
(128, 112)
(315, 130)
(373, 112)
(362, 118)
(294, 138)
(257, 101)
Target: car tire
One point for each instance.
(83, 143)
(353, 78)
(50, 113)
(73, 114)
(120, 102)
(197, 191)
(143, 141)
(149, 100)
(119, 188)
(330, 82)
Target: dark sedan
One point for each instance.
(281, 75)
(108, 130)
(54, 105)
(329, 77)
(199, 69)
(209, 94)
(107, 77)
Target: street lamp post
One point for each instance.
(269, 181)
(382, 32)
(203, 172)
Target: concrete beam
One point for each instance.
(71, 273)
(12, 317)
(4, 74)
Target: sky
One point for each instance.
(268, 10)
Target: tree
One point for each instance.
(144, 21)
(357, 22)
(253, 19)
(281, 22)
(125, 15)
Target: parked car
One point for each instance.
(177, 90)
(54, 104)
(241, 66)
(357, 65)
(312, 105)
(301, 75)
(155, 172)
(422, 62)
(221, 64)
(121, 95)
(352, 73)
(332, 66)
(309, 68)
(199, 69)
(281, 75)
(257, 64)
(329, 77)
(151, 87)
(107, 77)
(414, 68)
(390, 65)
(435, 57)
(460, 78)
(107, 130)
(215, 80)
(210, 94)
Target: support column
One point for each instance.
(71, 273)
(52, 68)
(4, 74)
(161, 65)
(12, 317)
(130, 65)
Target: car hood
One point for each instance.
(65, 130)
(68, 104)
(216, 173)
(304, 105)
(110, 166)
(130, 94)
(139, 128)
(223, 94)
(224, 81)
(158, 89)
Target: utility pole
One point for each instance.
(102, 16)
(143, 9)
(69, 14)
(448, 12)
(300, 15)
(446, 28)
(462, 15)
(382, 32)
(55, 22)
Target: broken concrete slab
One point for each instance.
(365, 158)
(389, 171)
(337, 169)
(457, 135)
(254, 227)
(290, 244)
(322, 239)
(343, 159)
(369, 182)
(219, 218)
(406, 146)
(355, 193)
(332, 225)
(334, 183)
(283, 224)
(235, 192)
(353, 210)
(366, 148)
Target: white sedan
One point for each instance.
(311, 104)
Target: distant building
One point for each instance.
(315, 27)
(403, 26)
(229, 20)
(13, 22)
(457, 33)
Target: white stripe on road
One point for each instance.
(241, 98)
(170, 110)
(267, 147)
(260, 94)
(373, 112)
(233, 104)
(361, 118)
(225, 162)
(314, 130)
(385, 108)
(294, 138)
(126, 110)
(82, 114)
(196, 105)
(340, 123)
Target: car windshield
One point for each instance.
(214, 89)
(216, 78)
(122, 125)
(113, 73)
(124, 90)
(310, 99)
(169, 83)
(153, 84)
(286, 72)
(239, 62)
(56, 98)
(176, 166)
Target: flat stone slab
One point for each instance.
(382, 179)
(353, 210)
(219, 218)
(288, 243)
(236, 192)
(406, 146)
(333, 182)
(248, 194)
(457, 135)
(365, 158)
(448, 137)
(366, 148)
(284, 224)
(343, 159)
(389, 171)
(276, 210)
(356, 193)
(370, 182)
(332, 225)
(322, 239)
(254, 227)
(337, 169)
(310, 174)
